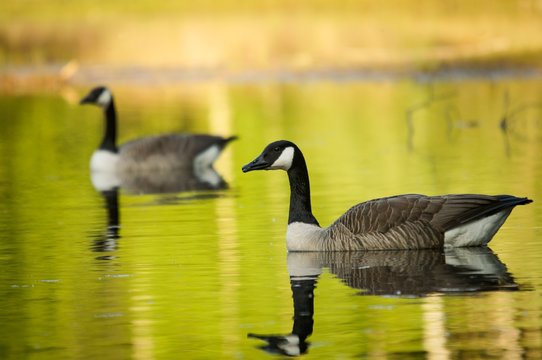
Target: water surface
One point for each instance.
(122, 275)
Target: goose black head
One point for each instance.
(277, 155)
(100, 96)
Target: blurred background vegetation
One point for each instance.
(58, 39)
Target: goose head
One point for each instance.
(99, 96)
(279, 155)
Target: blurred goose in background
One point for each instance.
(194, 152)
(395, 273)
(398, 222)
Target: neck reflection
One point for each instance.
(107, 241)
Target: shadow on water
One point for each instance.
(401, 273)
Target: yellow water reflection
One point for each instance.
(192, 273)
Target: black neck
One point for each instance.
(110, 137)
(300, 192)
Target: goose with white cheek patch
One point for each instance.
(163, 152)
(399, 222)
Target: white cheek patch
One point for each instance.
(105, 98)
(285, 160)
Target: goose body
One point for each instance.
(162, 152)
(398, 222)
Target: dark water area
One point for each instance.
(203, 273)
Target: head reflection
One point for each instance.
(403, 273)
(295, 343)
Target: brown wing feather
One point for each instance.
(412, 221)
(398, 222)
(463, 208)
(187, 145)
(381, 215)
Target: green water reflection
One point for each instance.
(191, 274)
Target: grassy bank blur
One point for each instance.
(400, 35)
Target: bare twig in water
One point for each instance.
(510, 120)
(427, 103)
(454, 120)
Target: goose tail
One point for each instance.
(229, 139)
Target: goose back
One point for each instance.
(170, 151)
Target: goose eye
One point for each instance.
(277, 149)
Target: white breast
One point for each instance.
(476, 233)
(104, 161)
(303, 237)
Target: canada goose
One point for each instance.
(163, 152)
(399, 222)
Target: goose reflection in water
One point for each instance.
(159, 181)
(106, 242)
(400, 273)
